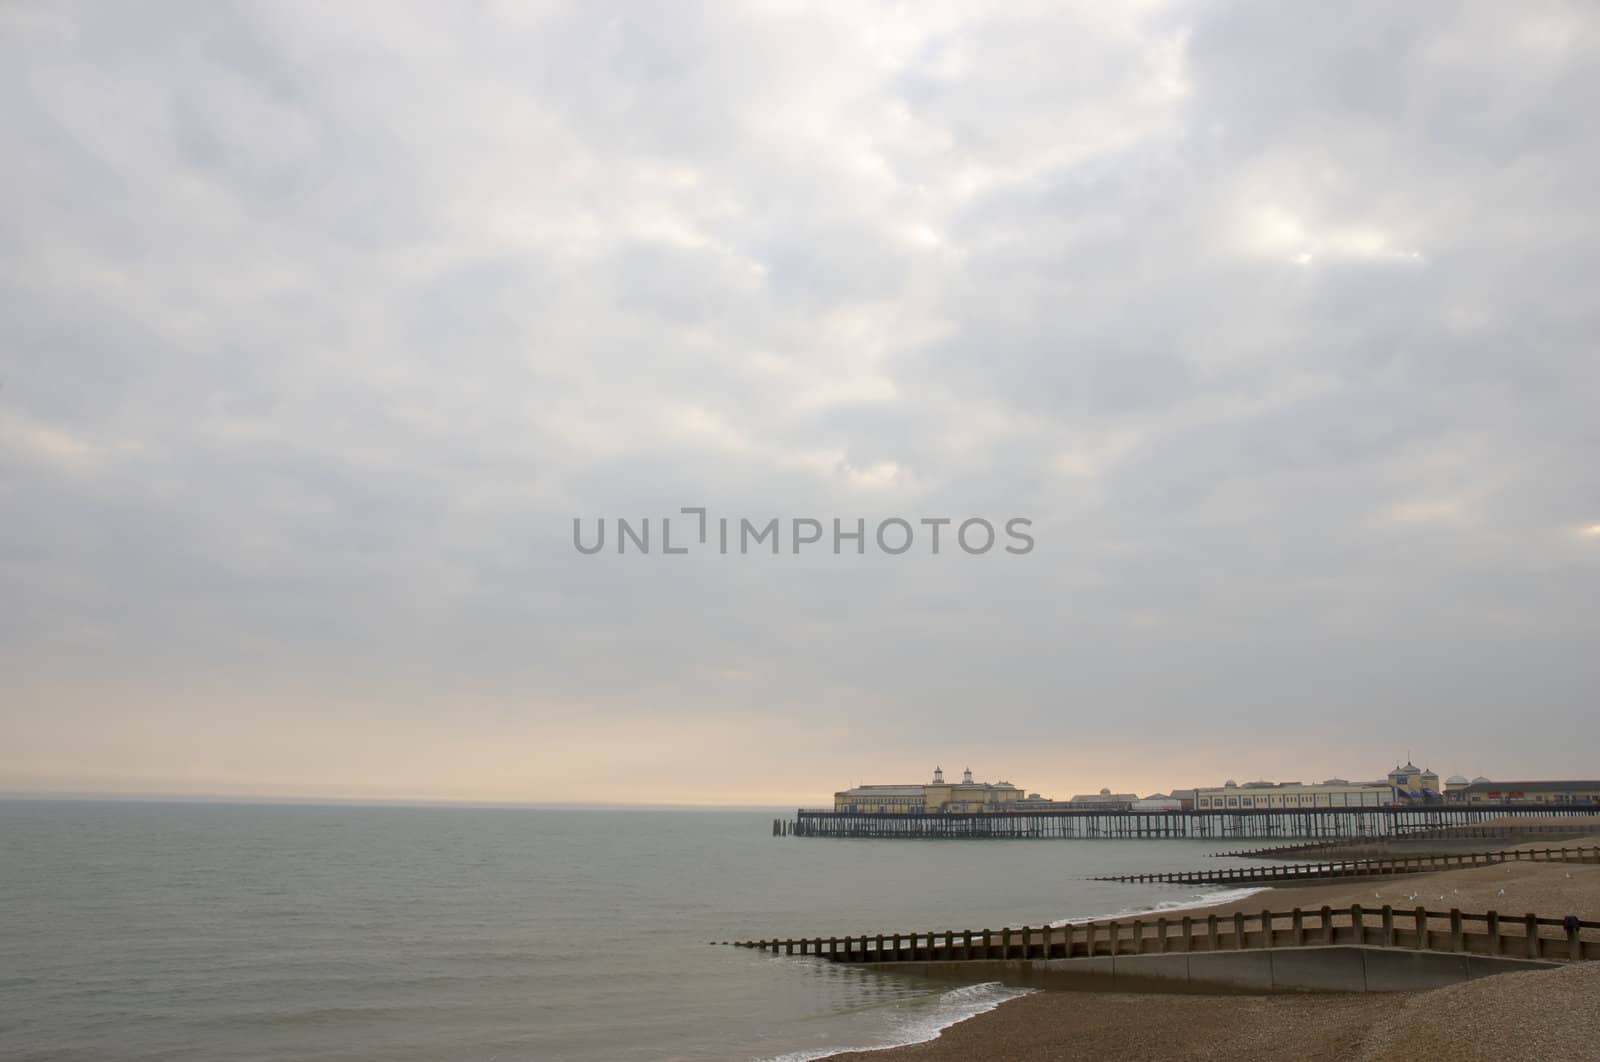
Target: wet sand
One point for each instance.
(1547, 1014)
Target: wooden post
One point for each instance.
(816, 946)
(1266, 928)
(1531, 921)
(1458, 937)
(966, 943)
(987, 954)
(788, 947)
(1161, 936)
(1359, 921)
(1211, 933)
(1493, 918)
(1574, 943)
(1299, 928)
(879, 945)
(1239, 940)
(1005, 942)
(1188, 933)
(1026, 932)
(949, 944)
(1388, 926)
(1138, 935)
(1422, 927)
(1113, 931)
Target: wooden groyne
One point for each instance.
(1414, 840)
(1067, 823)
(1359, 868)
(1528, 936)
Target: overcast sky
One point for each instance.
(322, 323)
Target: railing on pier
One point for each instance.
(1324, 824)
(1359, 868)
(1529, 936)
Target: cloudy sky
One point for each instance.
(322, 323)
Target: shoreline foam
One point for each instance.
(955, 1007)
(1197, 902)
(952, 1008)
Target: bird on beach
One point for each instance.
(1502, 892)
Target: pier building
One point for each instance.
(1483, 791)
(1334, 793)
(935, 797)
(1414, 784)
(1105, 800)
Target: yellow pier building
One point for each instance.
(938, 796)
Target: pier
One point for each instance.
(1072, 824)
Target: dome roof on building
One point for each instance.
(1456, 779)
(1478, 779)
(1230, 784)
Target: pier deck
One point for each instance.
(1065, 823)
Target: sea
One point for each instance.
(191, 932)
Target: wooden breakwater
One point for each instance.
(1414, 840)
(1359, 868)
(1528, 936)
(1069, 823)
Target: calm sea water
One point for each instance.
(234, 933)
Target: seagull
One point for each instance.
(1502, 892)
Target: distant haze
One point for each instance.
(321, 323)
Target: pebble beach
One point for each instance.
(1544, 1014)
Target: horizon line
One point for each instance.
(90, 797)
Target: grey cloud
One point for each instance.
(322, 325)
